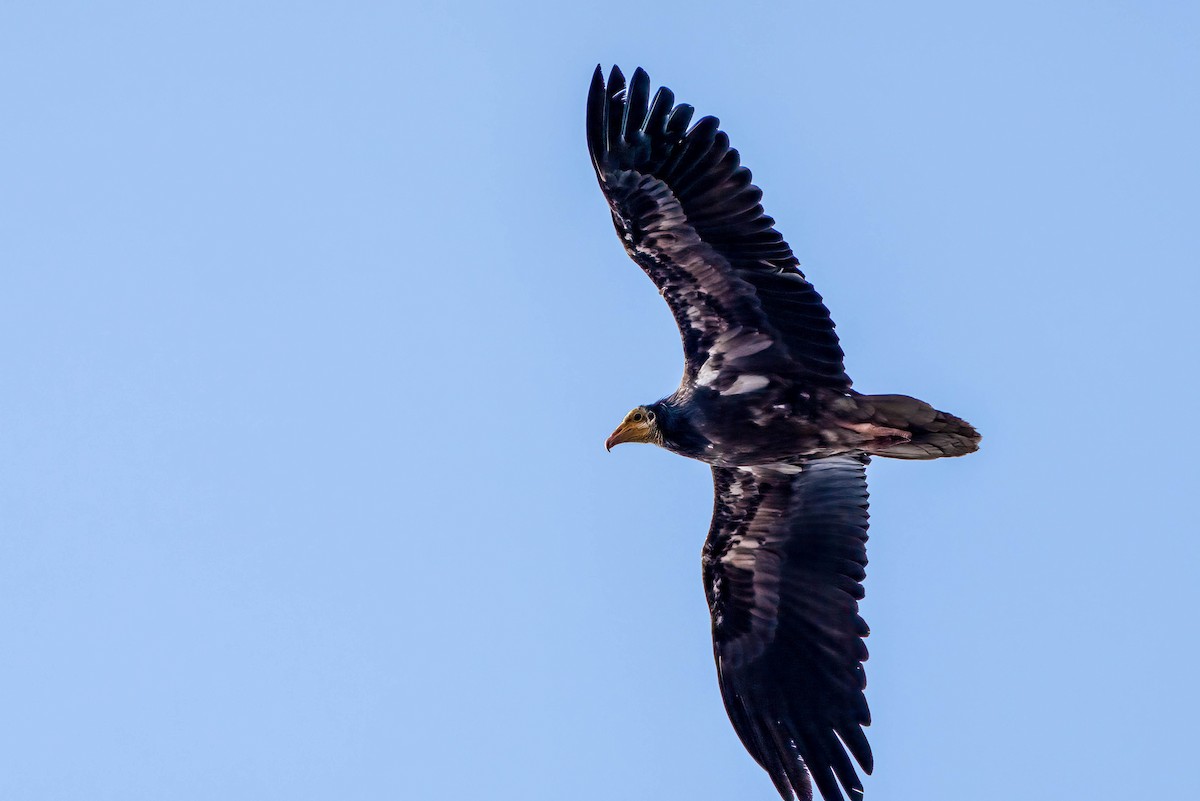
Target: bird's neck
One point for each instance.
(679, 435)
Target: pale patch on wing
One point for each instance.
(792, 274)
(708, 375)
(762, 565)
(728, 365)
(722, 328)
(751, 559)
(778, 467)
(746, 383)
(738, 344)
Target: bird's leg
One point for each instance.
(873, 431)
(876, 436)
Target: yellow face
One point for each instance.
(639, 425)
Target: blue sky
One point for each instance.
(313, 324)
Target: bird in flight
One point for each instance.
(765, 400)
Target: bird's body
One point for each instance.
(766, 401)
(796, 426)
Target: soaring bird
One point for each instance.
(765, 400)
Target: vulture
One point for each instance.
(766, 402)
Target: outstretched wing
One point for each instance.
(687, 213)
(783, 566)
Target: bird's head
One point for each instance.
(640, 425)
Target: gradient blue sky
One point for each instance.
(312, 326)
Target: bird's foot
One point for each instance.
(877, 438)
(870, 431)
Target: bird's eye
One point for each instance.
(637, 417)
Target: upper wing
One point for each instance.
(782, 570)
(687, 213)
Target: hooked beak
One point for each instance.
(628, 431)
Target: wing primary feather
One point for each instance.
(635, 104)
(819, 764)
(655, 128)
(855, 740)
(842, 767)
(714, 169)
(721, 187)
(616, 114)
(798, 773)
(698, 170)
(680, 119)
(656, 120)
(698, 143)
(597, 107)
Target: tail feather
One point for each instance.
(934, 434)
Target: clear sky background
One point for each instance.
(313, 324)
